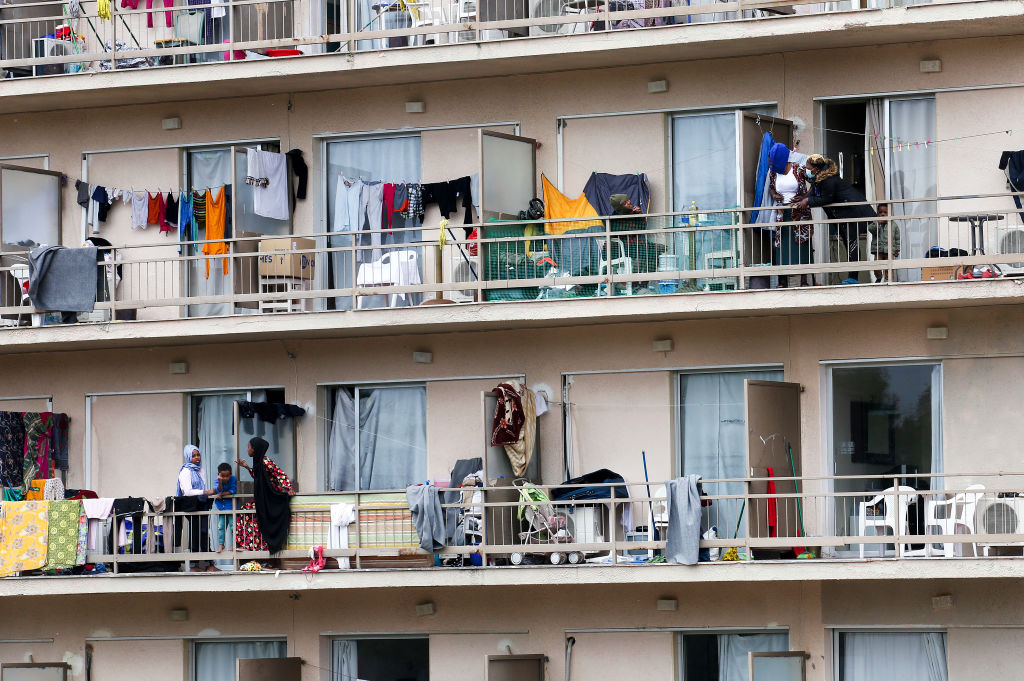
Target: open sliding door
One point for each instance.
(751, 127)
(773, 450)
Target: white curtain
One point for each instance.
(874, 140)
(390, 159)
(733, 649)
(912, 174)
(215, 661)
(388, 428)
(215, 430)
(892, 656)
(345, 660)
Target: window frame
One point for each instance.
(838, 631)
(193, 658)
(327, 391)
(60, 196)
(332, 673)
(35, 665)
(678, 461)
(192, 418)
(681, 634)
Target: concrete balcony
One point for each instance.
(662, 267)
(956, 531)
(395, 47)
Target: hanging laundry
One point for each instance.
(346, 211)
(99, 205)
(199, 212)
(170, 216)
(401, 200)
(62, 536)
(25, 526)
(388, 201)
(268, 412)
(301, 171)
(601, 186)
(38, 442)
(84, 193)
(371, 207)
(446, 195)
(12, 449)
(186, 230)
(83, 539)
(558, 206)
(139, 201)
(215, 220)
(60, 439)
(414, 204)
(96, 510)
(155, 210)
(270, 191)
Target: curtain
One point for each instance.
(345, 660)
(391, 159)
(208, 169)
(391, 438)
(215, 661)
(874, 137)
(733, 648)
(215, 431)
(713, 434)
(912, 174)
(892, 656)
(703, 173)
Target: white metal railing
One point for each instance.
(828, 518)
(672, 253)
(52, 37)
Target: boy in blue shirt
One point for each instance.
(224, 487)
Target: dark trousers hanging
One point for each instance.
(129, 507)
(198, 526)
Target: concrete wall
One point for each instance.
(473, 622)
(617, 414)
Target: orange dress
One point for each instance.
(216, 215)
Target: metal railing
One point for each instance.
(827, 518)
(674, 253)
(52, 37)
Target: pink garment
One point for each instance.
(97, 510)
(149, 17)
(130, 4)
(389, 202)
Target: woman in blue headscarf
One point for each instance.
(787, 185)
(191, 478)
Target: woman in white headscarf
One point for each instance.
(191, 478)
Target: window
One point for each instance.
(215, 660)
(723, 656)
(212, 167)
(377, 438)
(712, 415)
(377, 659)
(885, 421)
(907, 656)
(34, 671)
(213, 430)
(29, 207)
(391, 159)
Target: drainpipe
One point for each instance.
(569, 643)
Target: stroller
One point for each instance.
(545, 526)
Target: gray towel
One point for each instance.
(425, 504)
(683, 542)
(62, 279)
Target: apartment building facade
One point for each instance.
(895, 409)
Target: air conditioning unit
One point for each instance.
(461, 273)
(1011, 240)
(555, 8)
(50, 47)
(996, 515)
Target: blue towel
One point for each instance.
(761, 181)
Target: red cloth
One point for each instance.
(389, 204)
(773, 511)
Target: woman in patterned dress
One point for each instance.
(267, 528)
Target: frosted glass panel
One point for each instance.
(31, 208)
(778, 668)
(508, 174)
(55, 673)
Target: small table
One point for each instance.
(977, 223)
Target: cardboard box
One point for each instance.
(939, 273)
(277, 260)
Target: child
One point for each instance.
(224, 487)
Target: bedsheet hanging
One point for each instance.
(558, 206)
(601, 186)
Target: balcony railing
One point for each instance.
(810, 518)
(51, 37)
(629, 256)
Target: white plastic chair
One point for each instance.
(463, 11)
(397, 268)
(895, 502)
(425, 14)
(659, 514)
(956, 512)
(610, 264)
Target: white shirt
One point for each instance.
(185, 480)
(786, 185)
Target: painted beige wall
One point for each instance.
(162, 660)
(650, 654)
(137, 444)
